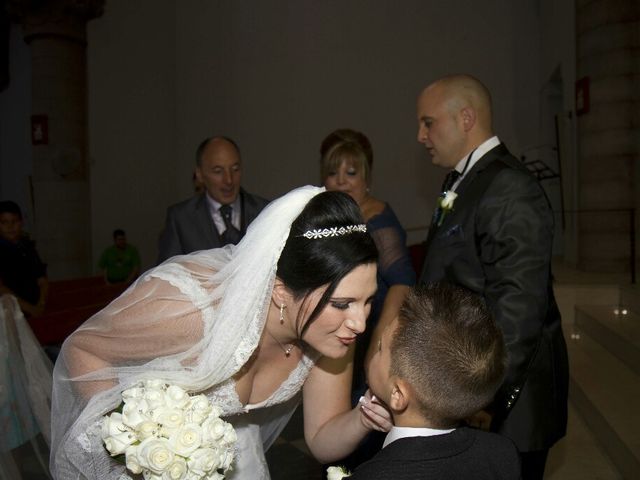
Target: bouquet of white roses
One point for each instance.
(165, 434)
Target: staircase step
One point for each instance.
(606, 393)
(570, 295)
(630, 297)
(615, 328)
(579, 454)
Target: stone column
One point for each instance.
(608, 67)
(56, 33)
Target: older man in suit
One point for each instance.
(218, 216)
(492, 233)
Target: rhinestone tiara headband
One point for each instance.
(334, 231)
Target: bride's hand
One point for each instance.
(373, 414)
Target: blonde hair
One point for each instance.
(346, 145)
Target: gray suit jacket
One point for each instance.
(189, 226)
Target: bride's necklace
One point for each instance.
(287, 350)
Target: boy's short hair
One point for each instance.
(7, 206)
(448, 347)
(118, 232)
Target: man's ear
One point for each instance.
(469, 117)
(400, 395)
(199, 174)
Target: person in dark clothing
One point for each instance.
(442, 359)
(22, 273)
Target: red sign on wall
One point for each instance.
(582, 96)
(39, 130)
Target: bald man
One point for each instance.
(492, 233)
(219, 215)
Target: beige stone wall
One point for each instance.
(608, 46)
(278, 76)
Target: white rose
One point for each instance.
(112, 425)
(149, 475)
(155, 398)
(213, 429)
(230, 435)
(449, 198)
(203, 461)
(192, 476)
(155, 454)
(214, 476)
(186, 439)
(176, 471)
(170, 418)
(226, 459)
(132, 462)
(134, 393)
(198, 409)
(176, 397)
(158, 384)
(135, 412)
(337, 473)
(147, 429)
(117, 444)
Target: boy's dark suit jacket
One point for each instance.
(462, 454)
(497, 242)
(189, 226)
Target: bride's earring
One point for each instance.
(282, 307)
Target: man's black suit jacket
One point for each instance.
(497, 242)
(462, 454)
(189, 226)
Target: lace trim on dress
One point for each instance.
(226, 396)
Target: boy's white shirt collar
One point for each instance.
(478, 153)
(396, 433)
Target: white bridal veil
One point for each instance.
(192, 321)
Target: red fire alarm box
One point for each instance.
(39, 130)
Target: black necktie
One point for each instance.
(449, 180)
(231, 233)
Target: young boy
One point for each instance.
(22, 273)
(439, 362)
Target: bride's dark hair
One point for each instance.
(307, 264)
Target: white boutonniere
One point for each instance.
(337, 473)
(446, 204)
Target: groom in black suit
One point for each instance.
(218, 216)
(492, 233)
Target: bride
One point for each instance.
(254, 326)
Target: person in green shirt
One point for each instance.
(120, 262)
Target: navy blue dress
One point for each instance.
(394, 268)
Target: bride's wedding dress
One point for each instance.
(193, 321)
(25, 396)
